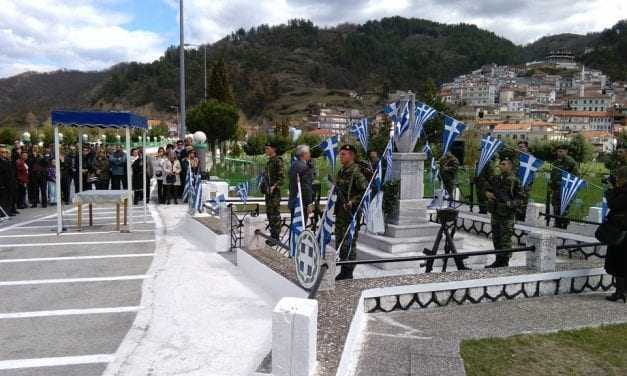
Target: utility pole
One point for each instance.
(182, 128)
(205, 72)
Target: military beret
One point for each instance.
(507, 158)
(523, 142)
(349, 147)
(272, 144)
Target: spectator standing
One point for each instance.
(117, 163)
(51, 179)
(157, 168)
(616, 258)
(38, 179)
(172, 171)
(301, 168)
(103, 171)
(184, 167)
(69, 174)
(89, 170)
(7, 181)
(194, 162)
(22, 179)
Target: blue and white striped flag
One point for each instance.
(325, 232)
(402, 121)
(378, 176)
(298, 221)
(387, 155)
(365, 205)
(198, 204)
(189, 185)
(423, 113)
(242, 191)
(329, 150)
(489, 147)
(359, 129)
(391, 110)
(571, 184)
(351, 234)
(427, 150)
(452, 129)
(529, 165)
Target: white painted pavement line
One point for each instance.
(74, 226)
(27, 222)
(68, 312)
(43, 235)
(53, 362)
(77, 243)
(76, 258)
(74, 280)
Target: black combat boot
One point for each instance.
(620, 291)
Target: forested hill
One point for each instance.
(278, 70)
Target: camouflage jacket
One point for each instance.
(567, 164)
(508, 195)
(449, 165)
(486, 176)
(275, 172)
(350, 186)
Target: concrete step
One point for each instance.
(399, 245)
(365, 252)
(415, 230)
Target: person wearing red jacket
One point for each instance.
(22, 179)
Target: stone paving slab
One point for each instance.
(60, 296)
(77, 370)
(389, 338)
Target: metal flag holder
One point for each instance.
(448, 219)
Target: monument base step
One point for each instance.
(413, 230)
(395, 246)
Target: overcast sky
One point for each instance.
(44, 35)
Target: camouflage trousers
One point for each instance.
(482, 199)
(349, 249)
(273, 211)
(449, 185)
(502, 232)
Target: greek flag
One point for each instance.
(378, 176)
(427, 150)
(242, 190)
(198, 204)
(571, 184)
(325, 232)
(298, 221)
(452, 129)
(366, 204)
(402, 123)
(529, 165)
(391, 110)
(329, 149)
(387, 154)
(359, 129)
(423, 113)
(189, 185)
(489, 146)
(215, 203)
(351, 234)
(434, 170)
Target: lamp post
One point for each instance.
(182, 128)
(205, 63)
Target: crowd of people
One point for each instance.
(28, 173)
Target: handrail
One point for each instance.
(436, 257)
(579, 245)
(570, 219)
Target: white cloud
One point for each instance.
(44, 35)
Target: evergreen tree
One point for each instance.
(219, 85)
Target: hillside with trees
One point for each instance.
(284, 70)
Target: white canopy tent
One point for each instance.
(105, 120)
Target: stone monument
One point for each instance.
(409, 230)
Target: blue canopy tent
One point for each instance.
(105, 120)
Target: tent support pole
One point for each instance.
(129, 178)
(80, 159)
(144, 179)
(57, 169)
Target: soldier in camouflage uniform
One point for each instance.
(523, 146)
(504, 199)
(350, 185)
(564, 162)
(274, 176)
(482, 182)
(449, 165)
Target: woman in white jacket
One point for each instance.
(172, 173)
(157, 168)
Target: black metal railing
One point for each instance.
(277, 242)
(480, 228)
(236, 218)
(574, 220)
(436, 257)
(582, 248)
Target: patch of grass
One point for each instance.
(591, 351)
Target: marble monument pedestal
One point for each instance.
(409, 231)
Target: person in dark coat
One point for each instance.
(7, 180)
(616, 258)
(117, 163)
(38, 179)
(302, 168)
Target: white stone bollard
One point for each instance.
(543, 259)
(250, 240)
(533, 214)
(294, 337)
